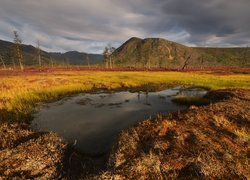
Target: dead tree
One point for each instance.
(108, 56)
(112, 50)
(39, 54)
(18, 49)
(2, 61)
(51, 62)
(186, 62)
(245, 55)
(88, 61)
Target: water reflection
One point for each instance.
(91, 121)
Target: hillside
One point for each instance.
(225, 56)
(156, 52)
(76, 57)
(30, 56)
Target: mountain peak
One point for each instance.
(134, 39)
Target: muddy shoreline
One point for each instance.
(153, 145)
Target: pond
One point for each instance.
(91, 121)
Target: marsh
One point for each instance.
(90, 122)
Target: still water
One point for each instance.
(92, 121)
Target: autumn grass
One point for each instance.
(20, 94)
(243, 133)
(206, 142)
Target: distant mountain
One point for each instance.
(30, 56)
(76, 57)
(157, 52)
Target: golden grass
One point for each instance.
(19, 94)
(243, 133)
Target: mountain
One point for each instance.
(76, 57)
(30, 56)
(157, 52)
(136, 52)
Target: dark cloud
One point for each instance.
(206, 20)
(88, 25)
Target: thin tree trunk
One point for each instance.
(186, 62)
(20, 57)
(110, 62)
(13, 62)
(107, 64)
(1, 58)
(39, 54)
(88, 62)
(51, 62)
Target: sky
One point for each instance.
(89, 25)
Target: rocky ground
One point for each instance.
(211, 141)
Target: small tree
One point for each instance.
(245, 55)
(51, 62)
(187, 59)
(2, 61)
(18, 49)
(39, 53)
(87, 58)
(112, 50)
(108, 56)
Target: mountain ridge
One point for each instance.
(137, 52)
(159, 52)
(31, 53)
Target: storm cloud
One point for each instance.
(89, 25)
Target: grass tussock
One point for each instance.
(208, 142)
(243, 133)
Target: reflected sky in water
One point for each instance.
(93, 120)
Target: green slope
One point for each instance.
(156, 52)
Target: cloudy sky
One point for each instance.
(89, 25)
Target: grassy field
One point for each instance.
(203, 141)
(20, 93)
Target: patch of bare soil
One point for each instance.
(203, 142)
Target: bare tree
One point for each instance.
(2, 61)
(51, 62)
(88, 61)
(112, 50)
(18, 49)
(201, 61)
(13, 62)
(39, 53)
(245, 55)
(108, 56)
(67, 62)
(147, 58)
(187, 59)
